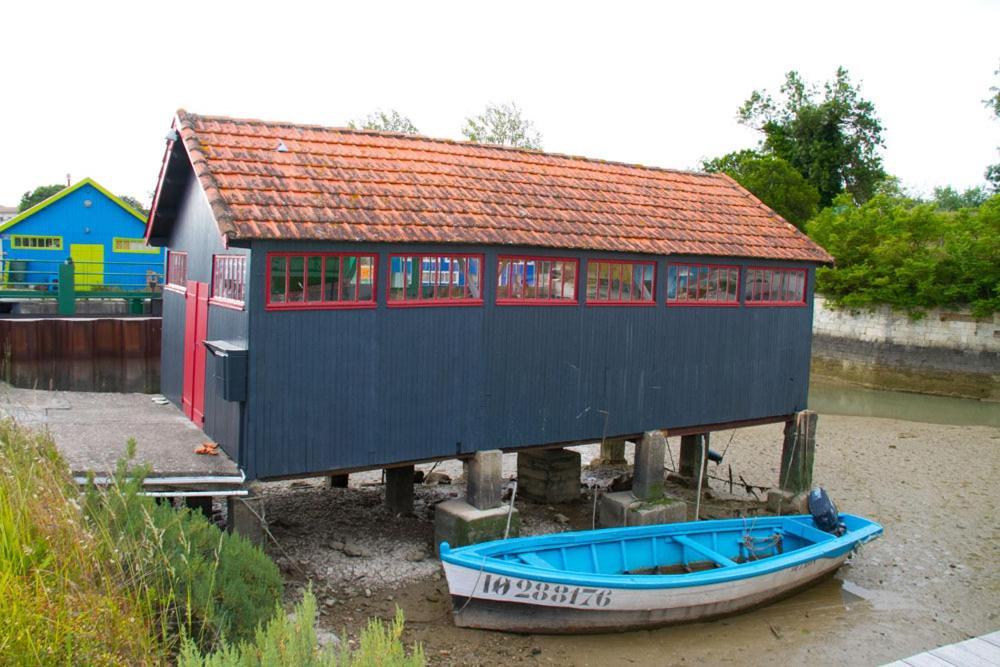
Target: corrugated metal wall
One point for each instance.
(336, 389)
(197, 234)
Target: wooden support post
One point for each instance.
(66, 296)
(650, 454)
(798, 452)
(613, 452)
(399, 489)
(691, 454)
(339, 481)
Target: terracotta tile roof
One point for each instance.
(337, 184)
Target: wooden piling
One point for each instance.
(798, 452)
(691, 455)
(399, 489)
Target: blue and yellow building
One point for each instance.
(102, 234)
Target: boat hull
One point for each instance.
(534, 606)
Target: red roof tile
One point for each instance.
(337, 184)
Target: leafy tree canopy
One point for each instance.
(772, 180)
(385, 121)
(504, 125)
(830, 135)
(992, 102)
(38, 195)
(910, 255)
(134, 203)
(950, 199)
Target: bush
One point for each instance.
(290, 640)
(911, 256)
(198, 582)
(61, 601)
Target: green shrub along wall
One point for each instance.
(910, 255)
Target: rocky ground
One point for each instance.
(932, 579)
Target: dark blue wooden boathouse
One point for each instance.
(339, 300)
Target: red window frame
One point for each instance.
(229, 281)
(420, 301)
(754, 293)
(727, 302)
(597, 300)
(172, 270)
(320, 304)
(505, 296)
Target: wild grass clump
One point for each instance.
(289, 640)
(61, 599)
(195, 581)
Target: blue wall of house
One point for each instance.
(197, 234)
(77, 223)
(339, 389)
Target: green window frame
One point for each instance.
(35, 242)
(132, 245)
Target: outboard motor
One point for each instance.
(824, 512)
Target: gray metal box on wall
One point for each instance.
(230, 368)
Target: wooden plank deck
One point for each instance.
(978, 652)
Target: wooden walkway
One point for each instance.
(979, 652)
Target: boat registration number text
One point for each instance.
(542, 591)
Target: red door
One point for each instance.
(195, 330)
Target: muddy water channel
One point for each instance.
(932, 579)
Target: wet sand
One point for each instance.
(932, 579)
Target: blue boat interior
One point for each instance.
(695, 547)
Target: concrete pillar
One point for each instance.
(201, 504)
(484, 479)
(650, 454)
(798, 452)
(245, 516)
(339, 481)
(691, 454)
(548, 475)
(399, 489)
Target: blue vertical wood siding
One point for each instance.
(337, 389)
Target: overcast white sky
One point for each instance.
(90, 88)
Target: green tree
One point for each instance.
(772, 180)
(38, 195)
(831, 135)
(385, 121)
(992, 102)
(502, 124)
(949, 199)
(134, 203)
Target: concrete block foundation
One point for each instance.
(617, 510)
(458, 523)
(548, 476)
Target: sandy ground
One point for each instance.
(932, 579)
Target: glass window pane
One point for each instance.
(296, 288)
(314, 278)
(473, 276)
(366, 288)
(396, 278)
(544, 276)
(278, 279)
(591, 281)
(603, 282)
(569, 280)
(348, 277)
(627, 281)
(331, 288)
(530, 276)
(615, 291)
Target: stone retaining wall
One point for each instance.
(945, 352)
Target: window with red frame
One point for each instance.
(775, 287)
(228, 278)
(703, 285)
(435, 280)
(320, 280)
(177, 269)
(541, 280)
(614, 282)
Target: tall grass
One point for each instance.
(62, 600)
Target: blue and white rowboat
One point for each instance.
(644, 576)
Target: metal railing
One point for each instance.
(68, 281)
